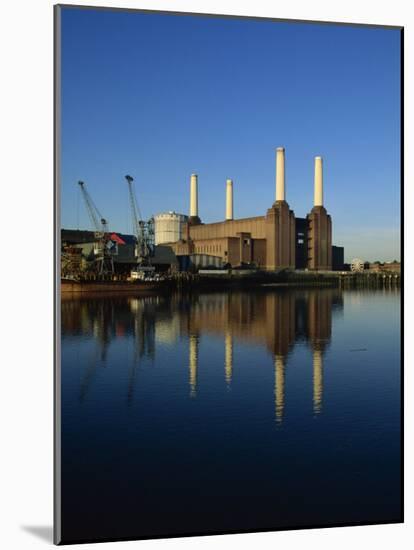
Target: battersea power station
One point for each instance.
(274, 241)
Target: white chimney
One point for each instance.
(193, 196)
(229, 199)
(318, 196)
(280, 174)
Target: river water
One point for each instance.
(229, 411)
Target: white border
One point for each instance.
(26, 274)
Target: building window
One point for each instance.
(300, 241)
(247, 241)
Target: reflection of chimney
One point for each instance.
(280, 174)
(229, 200)
(317, 381)
(193, 196)
(318, 196)
(193, 363)
(279, 387)
(228, 357)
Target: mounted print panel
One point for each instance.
(228, 274)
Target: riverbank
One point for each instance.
(68, 286)
(287, 278)
(211, 279)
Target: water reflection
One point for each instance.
(228, 357)
(274, 320)
(193, 363)
(175, 408)
(279, 387)
(317, 381)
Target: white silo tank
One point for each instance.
(168, 227)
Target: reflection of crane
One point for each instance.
(103, 248)
(144, 231)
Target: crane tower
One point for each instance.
(143, 230)
(103, 247)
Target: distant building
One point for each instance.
(385, 266)
(338, 258)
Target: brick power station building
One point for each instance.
(274, 241)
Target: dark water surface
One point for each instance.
(229, 411)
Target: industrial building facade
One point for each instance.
(274, 241)
(124, 257)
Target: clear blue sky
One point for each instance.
(161, 96)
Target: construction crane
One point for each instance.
(103, 247)
(144, 233)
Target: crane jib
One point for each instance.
(103, 253)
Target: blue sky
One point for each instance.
(161, 96)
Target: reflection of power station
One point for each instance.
(144, 328)
(319, 334)
(280, 322)
(280, 337)
(228, 357)
(276, 319)
(193, 342)
(167, 330)
(273, 320)
(279, 387)
(317, 381)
